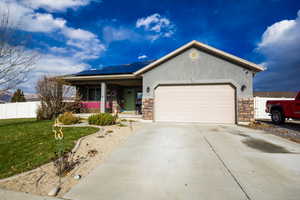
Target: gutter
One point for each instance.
(100, 77)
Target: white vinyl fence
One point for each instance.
(18, 110)
(260, 106)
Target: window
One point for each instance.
(90, 93)
(83, 93)
(98, 94)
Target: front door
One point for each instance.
(129, 99)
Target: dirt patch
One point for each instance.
(264, 146)
(91, 152)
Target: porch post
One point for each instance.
(103, 97)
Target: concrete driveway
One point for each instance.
(190, 161)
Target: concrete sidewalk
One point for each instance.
(12, 195)
(189, 161)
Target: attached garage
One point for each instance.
(213, 103)
(198, 83)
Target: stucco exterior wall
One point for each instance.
(205, 68)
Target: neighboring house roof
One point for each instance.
(205, 48)
(116, 69)
(138, 68)
(275, 94)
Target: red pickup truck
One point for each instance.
(283, 109)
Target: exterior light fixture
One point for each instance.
(148, 89)
(243, 88)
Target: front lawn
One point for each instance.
(26, 143)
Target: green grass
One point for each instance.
(26, 144)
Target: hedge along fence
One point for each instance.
(19, 110)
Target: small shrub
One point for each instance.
(64, 164)
(43, 113)
(68, 118)
(40, 114)
(102, 119)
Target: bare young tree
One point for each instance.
(52, 91)
(15, 60)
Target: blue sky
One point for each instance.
(74, 35)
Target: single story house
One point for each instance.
(194, 83)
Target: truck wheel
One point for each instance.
(277, 117)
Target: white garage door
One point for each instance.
(195, 103)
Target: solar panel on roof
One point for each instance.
(117, 69)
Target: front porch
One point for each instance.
(114, 96)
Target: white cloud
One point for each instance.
(87, 43)
(142, 57)
(87, 49)
(116, 34)
(280, 44)
(18, 11)
(78, 34)
(276, 33)
(29, 20)
(60, 50)
(51, 65)
(37, 22)
(56, 5)
(32, 21)
(156, 24)
(57, 65)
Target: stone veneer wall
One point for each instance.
(147, 109)
(245, 110)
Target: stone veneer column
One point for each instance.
(147, 109)
(245, 110)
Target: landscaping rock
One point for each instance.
(77, 177)
(54, 191)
